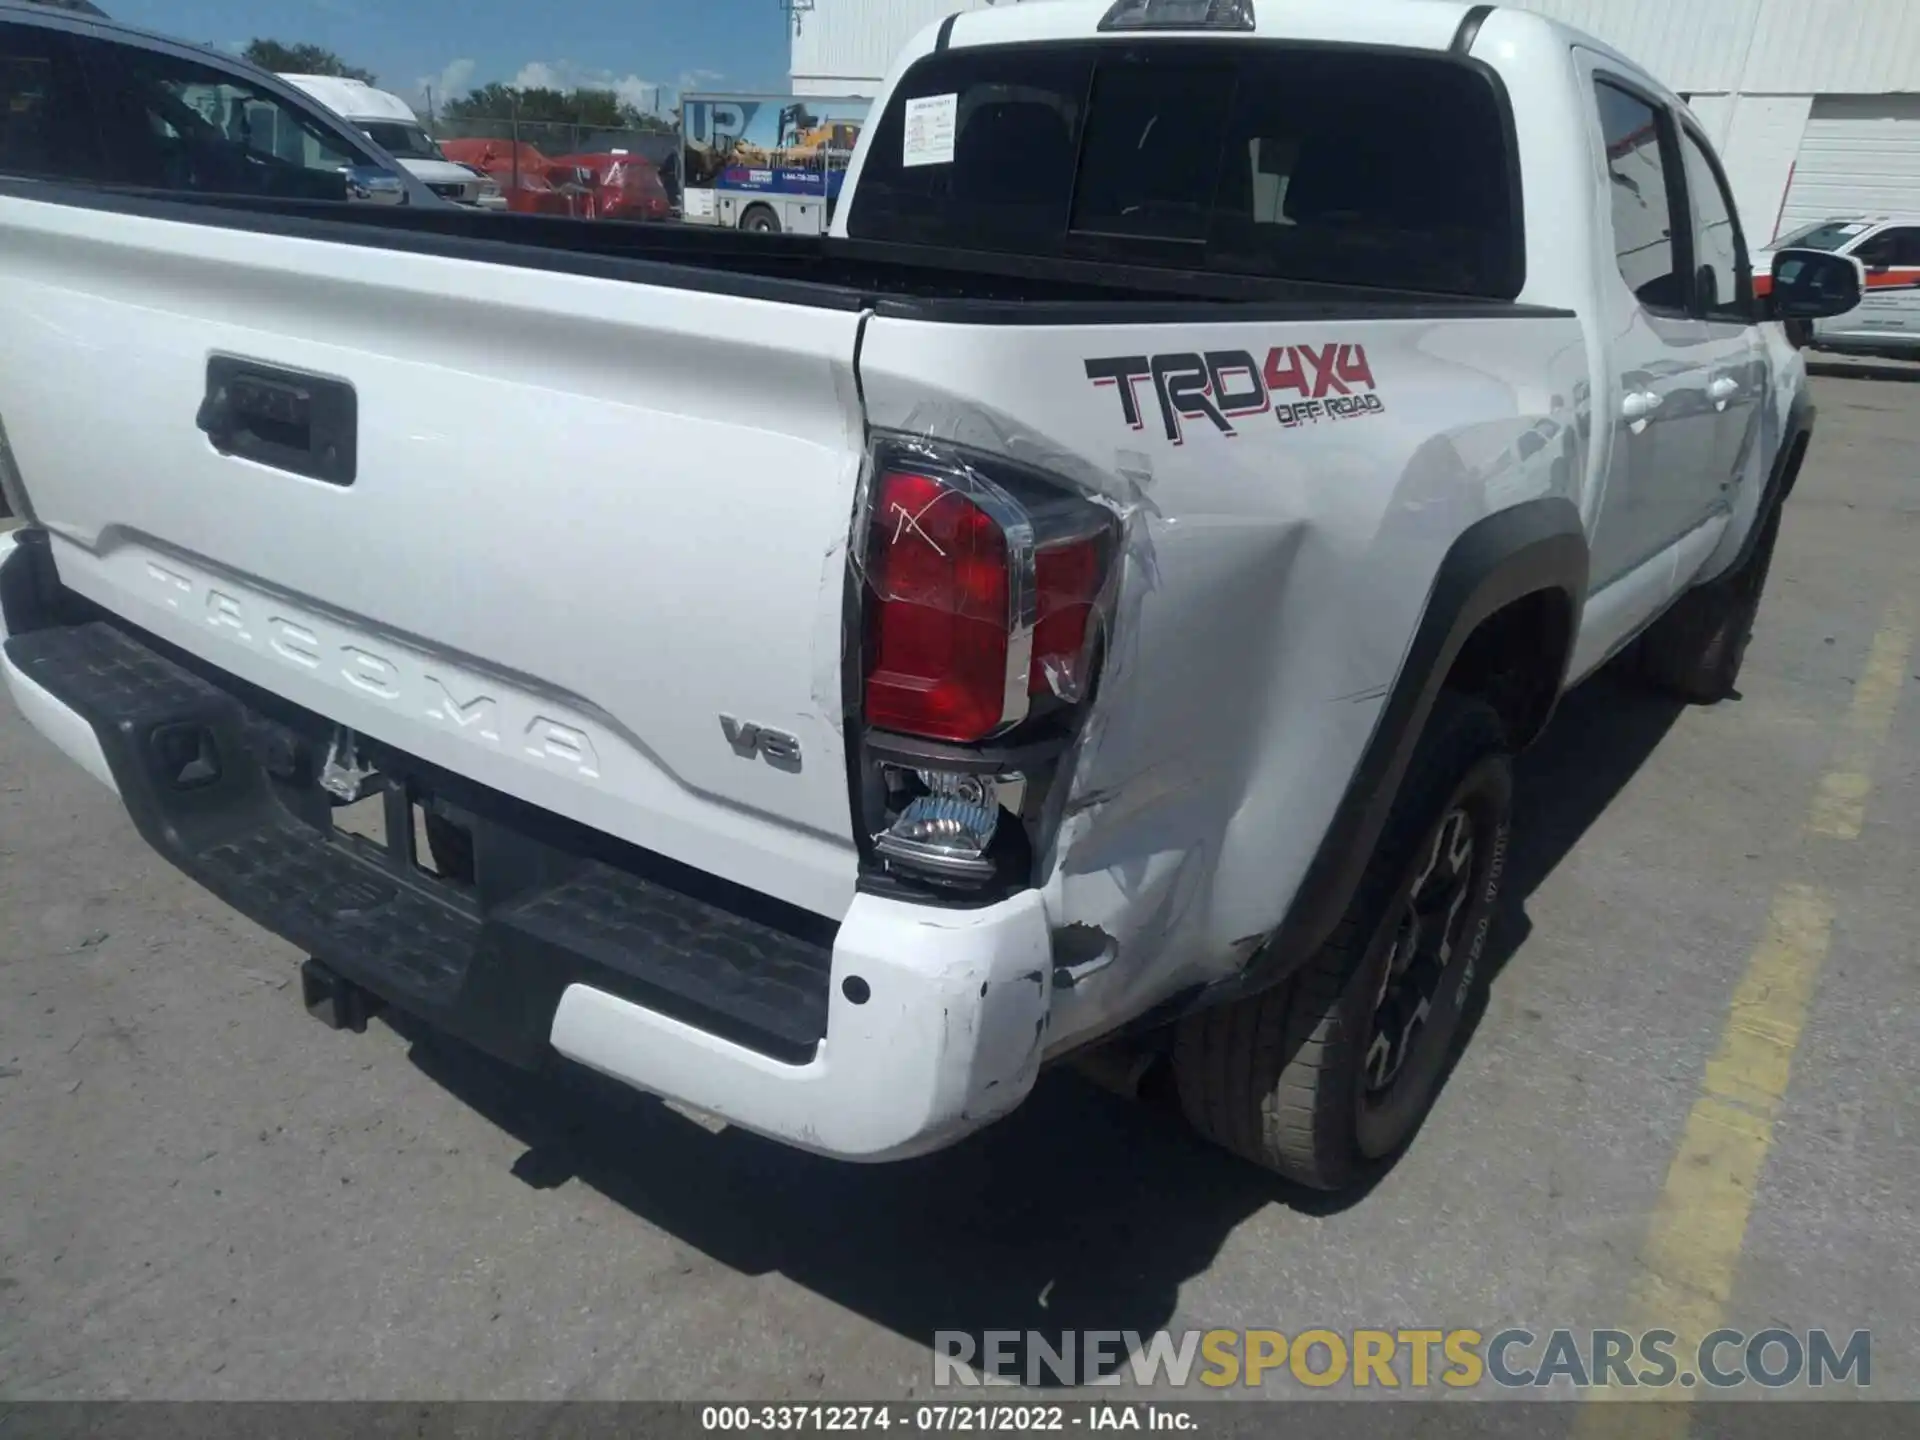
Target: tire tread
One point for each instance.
(1262, 1076)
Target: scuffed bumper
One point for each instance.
(949, 1038)
(905, 1031)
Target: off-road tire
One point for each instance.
(1279, 1077)
(1696, 649)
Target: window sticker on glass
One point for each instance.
(928, 134)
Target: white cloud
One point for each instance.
(632, 90)
(539, 75)
(641, 94)
(695, 79)
(450, 84)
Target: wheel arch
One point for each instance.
(761, 207)
(1513, 579)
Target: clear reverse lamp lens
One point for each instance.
(946, 833)
(969, 789)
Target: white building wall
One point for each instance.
(845, 47)
(1763, 136)
(1752, 67)
(1702, 47)
(1835, 47)
(1715, 114)
(1692, 45)
(1780, 47)
(1859, 153)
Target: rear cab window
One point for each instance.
(1334, 164)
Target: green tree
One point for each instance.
(285, 59)
(588, 108)
(486, 102)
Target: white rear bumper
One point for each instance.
(936, 1025)
(949, 1038)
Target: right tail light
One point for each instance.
(982, 610)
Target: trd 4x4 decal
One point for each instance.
(1222, 386)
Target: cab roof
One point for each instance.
(1407, 24)
(1419, 24)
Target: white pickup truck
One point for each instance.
(1094, 596)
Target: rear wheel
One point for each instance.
(1326, 1078)
(760, 221)
(1696, 649)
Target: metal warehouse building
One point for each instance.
(1814, 104)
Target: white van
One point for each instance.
(390, 123)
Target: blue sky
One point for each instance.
(642, 48)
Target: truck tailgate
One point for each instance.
(594, 533)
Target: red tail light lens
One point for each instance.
(981, 594)
(940, 604)
(1068, 577)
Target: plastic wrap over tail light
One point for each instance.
(940, 575)
(984, 593)
(983, 588)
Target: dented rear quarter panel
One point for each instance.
(1273, 577)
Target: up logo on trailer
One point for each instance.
(1333, 382)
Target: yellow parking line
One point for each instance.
(1693, 1245)
(1840, 805)
(1692, 1251)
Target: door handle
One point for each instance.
(1637, 406)
(286, 419)
(1723, 390)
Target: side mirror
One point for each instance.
(371, 185)
(1814, 285)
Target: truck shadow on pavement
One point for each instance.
(1081, 1211)
(1599, 738)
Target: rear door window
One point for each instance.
(1645, 241)
(1317, 163)
(1723, 276)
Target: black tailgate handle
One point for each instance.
(290, 420)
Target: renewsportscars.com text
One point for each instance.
(1512, 1358)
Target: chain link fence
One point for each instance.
(557, 138)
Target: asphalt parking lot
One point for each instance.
(204, 1194)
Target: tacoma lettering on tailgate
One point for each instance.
(440, 694)
(1333, 382)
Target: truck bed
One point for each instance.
(836, 273)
